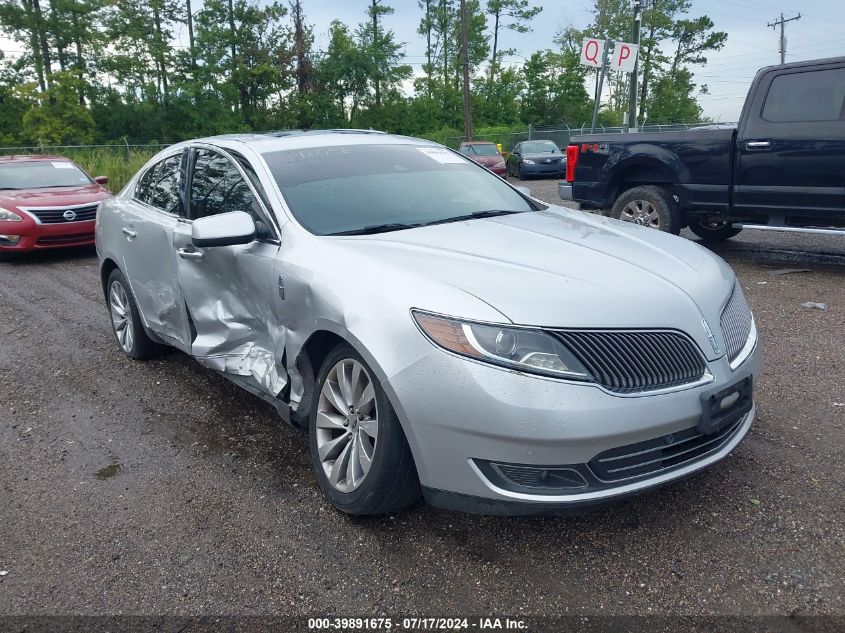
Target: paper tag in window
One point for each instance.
(62, 165)
(441, 155)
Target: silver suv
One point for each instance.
(436, 330)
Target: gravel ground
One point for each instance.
(159, 488)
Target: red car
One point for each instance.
(47, 202)
(485, 153)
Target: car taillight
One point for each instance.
(571, 161)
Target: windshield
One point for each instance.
(539, 147)
(481, 150)
(38, 174)
(352, 188)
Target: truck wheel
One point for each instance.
(713, 231)
(648, 206)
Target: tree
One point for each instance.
(380, 51)
(512, 15)
(694, 38)
(672, 100)
(56, 116)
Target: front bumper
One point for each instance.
(34, 236)
(543, 169)
(477, 413)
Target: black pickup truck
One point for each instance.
(782, 167)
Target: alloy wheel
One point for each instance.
(641, 212)
(347, 425)
(121, 316)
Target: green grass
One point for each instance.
(118, 164)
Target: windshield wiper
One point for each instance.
(476, 215)
(378, 228)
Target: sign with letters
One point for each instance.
(592, 52)
(624, 57)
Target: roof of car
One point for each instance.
(477, 143)
(264, 142)
(31, 157)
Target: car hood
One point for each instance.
(489, 161)
(559, 268)
(53, 197)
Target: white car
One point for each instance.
(436, 330)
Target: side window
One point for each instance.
(813, 95)
(159, 186)
(218, 187)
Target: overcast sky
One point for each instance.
(751, 44)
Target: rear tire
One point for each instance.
(651, 206)
(360, 454)
(713, 231)
(126, 320)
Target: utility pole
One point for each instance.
(632, 101)
(465, 58)
(782, 23)
(191, 35)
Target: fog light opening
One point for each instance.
(9, 240)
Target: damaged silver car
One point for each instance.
(437, 331)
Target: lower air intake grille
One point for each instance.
(634, 361)
(664, 453)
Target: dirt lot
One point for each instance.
(159, 488)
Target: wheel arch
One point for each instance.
(317, 345)
(106, 269)
(639, 171)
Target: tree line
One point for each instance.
(88, 71)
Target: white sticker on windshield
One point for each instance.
(441, 155)
(62, 165)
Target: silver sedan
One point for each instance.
(437, 332)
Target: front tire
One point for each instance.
(713, 231)
(649, 206)
(126, 320)
(359, 451)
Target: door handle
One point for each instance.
(129, 233)
(757, 146)
(186, 254)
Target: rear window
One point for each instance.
(41, 174)
(480, 150)
(808, 96)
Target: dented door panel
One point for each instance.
(230, 295)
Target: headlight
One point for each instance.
(528, 161)
(499, 165)
(528, 350)
(9, 216)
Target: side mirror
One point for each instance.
(525, 191)
(102, 180)
(225, 229)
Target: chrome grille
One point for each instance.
(631, 361)
(736, 322)
(56, 216)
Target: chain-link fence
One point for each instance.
(561, 134)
